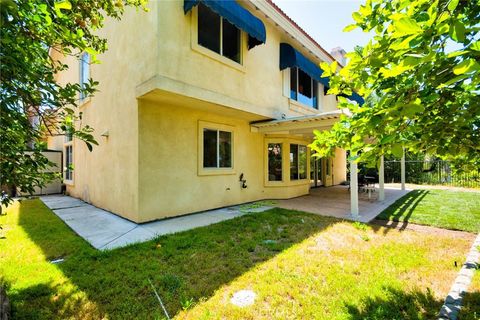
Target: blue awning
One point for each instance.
(236, 15)
(289, 57)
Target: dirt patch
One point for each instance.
(402, 225)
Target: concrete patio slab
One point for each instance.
(105, 230)
(335, 202)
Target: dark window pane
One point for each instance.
(208, 28)
(209, 148)
(304, 88)
(293, 83)
(274, 162)
(84, 72)
(304, 84)
(231, 41)
(225, 149)
(302, 162)
(68, 163)
(315, 94)
(294, 162)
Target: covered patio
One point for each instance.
(347, 202)
(335, 201)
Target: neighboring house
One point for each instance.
(194, 98)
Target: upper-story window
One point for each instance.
(303, 88)
(217, 34)
(84, 73)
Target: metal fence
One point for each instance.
(431, 173)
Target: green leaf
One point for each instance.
(466, 66)
(66, 5)
(387, 139)
(475, 46)
(411, 109)
(406, 26)
(452, 5)
(457, 31)
(357, 17)
(456, 53)
(397, 150)
(402, 43)
(349, 28)
(453, 80)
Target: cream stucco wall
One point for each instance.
(156, 86)
(108, 176)
(170, 180)
(257, 83)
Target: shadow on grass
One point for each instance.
(397, 304)
(184, 267)
(470, 306)
(401, 210)
(38, 301)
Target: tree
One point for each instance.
(420, 75)
(32, 101)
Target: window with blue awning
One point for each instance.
(237, 16)
(290, 58)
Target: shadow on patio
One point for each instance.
(335, 202)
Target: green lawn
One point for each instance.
(311, 267)
(440, 208)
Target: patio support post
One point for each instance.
(354, 189)
(402, 170)
(381, 180)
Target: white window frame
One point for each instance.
(240, 53)
(66, 145)
(267, 168)
(218, 149)
(212, 54)
(82, 81)
(313, 88)
(298, 162)
(203, 171)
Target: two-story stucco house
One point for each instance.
(201, 104)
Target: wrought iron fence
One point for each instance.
(431, 173)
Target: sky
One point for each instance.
(324, 21)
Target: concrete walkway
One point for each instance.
(105, 231)
(335, 202)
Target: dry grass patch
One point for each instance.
(347, 272)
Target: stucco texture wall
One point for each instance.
(170, 182)
(108, 176)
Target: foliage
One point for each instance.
(33, 102)
(421, 78)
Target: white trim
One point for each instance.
(402, 170)
(64, 171)
(202, 171)
(354, 190)
(290, 29)
(381, 180)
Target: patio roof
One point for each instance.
(302, 124)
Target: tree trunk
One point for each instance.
(4, 305)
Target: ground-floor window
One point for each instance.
(68, 163)
(217, 149)
(298, 162)
(275, 162)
